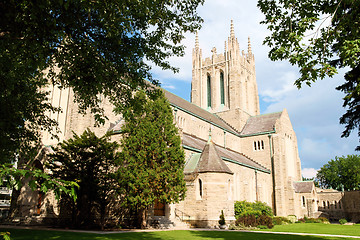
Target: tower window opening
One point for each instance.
(222, 89)
(208, 90)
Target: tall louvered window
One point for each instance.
(208, 91)
(222, 89)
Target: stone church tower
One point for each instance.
(226, 82)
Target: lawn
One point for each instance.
(334, 229)
(25, 234)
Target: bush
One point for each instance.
(244, 208)
(222, 218)
(262, 227)
(281, 220)
(253, 221)
(343, 221)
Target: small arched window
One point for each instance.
(335, 204)
(208, 90)
(259, 145)
(262, 144)
(303, 201)
(222, 89)
(339, 204)
(255, 146)
(200, 188)
(328, 204)
(324, 204)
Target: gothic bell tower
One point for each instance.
(225, 81)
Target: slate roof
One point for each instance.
(210, 161)
(303, 186)
(184, 105)
(224, 153)
(260, 124)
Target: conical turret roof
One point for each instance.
(210, 160)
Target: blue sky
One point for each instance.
(314, 111)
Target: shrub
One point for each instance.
(280, 220)
(222, 218)
(243, 208)
(291, 218)
(253, 221)
(324, 220)
(343, 221)
(262, 227)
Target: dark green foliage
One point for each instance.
(280, 220)
(152, 159)
(222, 218)
(89, 161)
(251, 220)
(343, 173)
(343, 221)
(313, 220)
(98, 48)
(243, 208)
(300, 33)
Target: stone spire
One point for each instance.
(197, 40)
(249, 46)
(232, 31)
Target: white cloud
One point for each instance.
(309, 172)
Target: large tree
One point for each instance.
(152, 159)
(320, 37)
(343, 173)
(98, 48)
(89, 161)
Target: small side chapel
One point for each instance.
(233, 153)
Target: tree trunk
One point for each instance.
(142, 218)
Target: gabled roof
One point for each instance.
(197, 111)
(260, 124)
(303, 186)
(196, 144)
(210, 161)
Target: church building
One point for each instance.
(233, 152)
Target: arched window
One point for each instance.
(255, 146)
(328, 204)
(324, 204)
(208, 91)
(229, 189)
(258, 145)
(262, 144)
(200, 188)
(335, 204)
(222, 89)
(340, 204)
(303, 201)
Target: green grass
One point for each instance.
(25, 234)
(334, 229)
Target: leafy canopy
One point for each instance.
(320, 37)
(152, 159)
(98, 48)
(343, 173)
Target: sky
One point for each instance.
(314, 111)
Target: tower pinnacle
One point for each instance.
(197, 41)
(232, 32)
(249, 46)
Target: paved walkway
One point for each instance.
(153, 230)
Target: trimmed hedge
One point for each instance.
(253, 221)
